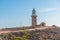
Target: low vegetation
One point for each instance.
(46, 34)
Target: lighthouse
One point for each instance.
(34, 18)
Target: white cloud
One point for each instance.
(48, 9)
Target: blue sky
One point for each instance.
(16, 13)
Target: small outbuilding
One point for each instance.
(43, 24)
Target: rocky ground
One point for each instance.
(49, 33)
(46, 34)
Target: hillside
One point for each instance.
(46, 34)
(50, 33)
